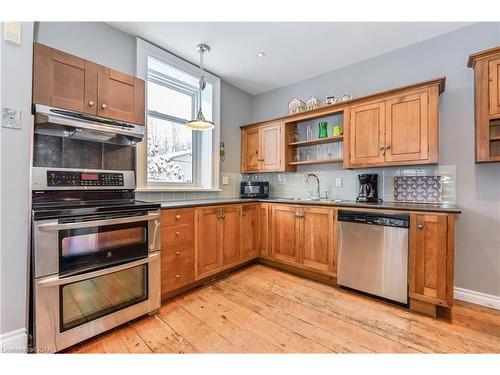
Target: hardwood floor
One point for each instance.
(263, 310)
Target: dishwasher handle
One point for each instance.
(371, 218)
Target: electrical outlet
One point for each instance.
(338, 182)
(11, 118)
(225, 180)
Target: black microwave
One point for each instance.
(254, 189)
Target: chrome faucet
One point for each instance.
(318, 195)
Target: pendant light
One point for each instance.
(200, 123)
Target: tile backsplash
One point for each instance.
(293, 185)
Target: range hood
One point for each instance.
(63, 123)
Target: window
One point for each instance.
(173, 157)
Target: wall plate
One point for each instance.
(11, 118)
(12, 32)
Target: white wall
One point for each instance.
(16, 67)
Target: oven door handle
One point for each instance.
(55, 280)
(96, 223)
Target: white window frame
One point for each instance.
(145, 50)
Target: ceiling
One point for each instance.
(294, 50)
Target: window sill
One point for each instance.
(173, 189)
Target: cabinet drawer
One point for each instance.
(178, 255)
(177, 216)
(176, 276)
(177, 234)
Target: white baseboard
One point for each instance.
(14, 341)
(478, 298)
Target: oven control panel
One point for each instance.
(67, 178)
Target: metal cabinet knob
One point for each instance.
(177, 276)
(381, 147)
(104, 106)
(177, 217)
(91, 103)
(387, 147)
(420, 226)
(177, 253)
(177, 234)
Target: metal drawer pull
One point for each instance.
(177, 234)
(104, 106)
(96, 223)
(420, 226)
(177, 217)
(177, 253)
(177, 276)
(91, 103)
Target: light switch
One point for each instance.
(338, 182)
(11, 118)
(12, 32)
(225, 180)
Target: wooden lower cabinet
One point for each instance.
(249, 231)
(304, 236)
(230, 233)
(432, 258)
(208, 237)
(177, 249)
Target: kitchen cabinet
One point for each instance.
(249, 231)
(69, 82)
(208, 237)
(486, 65)
(177, 249)
(64, 81)
(263, 148)
(285, 233)
(230, 233)
(400, 130)
(432, 258)
(264, 222)
(304, 236)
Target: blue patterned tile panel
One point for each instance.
(418, 189)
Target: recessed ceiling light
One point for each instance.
(260, 54)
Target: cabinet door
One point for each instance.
(249, 231)
(64, 81)
(208, 239)
(271, 147)
(250, 150)
(285, 230)
(366, 134)
(230, 234)
(264, 228)
(121, 97)
(429, 259)
(317, 238)
(407, 128)
(494, 77)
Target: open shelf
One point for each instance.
(317, 141)
(496, 138)
(307, 162)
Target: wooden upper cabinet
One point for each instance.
(317, 238)
(486, 66)
(251, 150)
(366, 129)
(432, 258)
(494, 77)
(64, 81)
(249, 231)
(407, 128)
(69, 82)
(121, 96)
(271, 147)
(264, 148)
(208, 255)
(285, 233)
(403, 129)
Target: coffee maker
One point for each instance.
(368, 188)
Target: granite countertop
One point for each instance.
(426, 207)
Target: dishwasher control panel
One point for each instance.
(388, 220)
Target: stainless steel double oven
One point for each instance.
(95, 256)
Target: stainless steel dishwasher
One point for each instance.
(373, 254)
